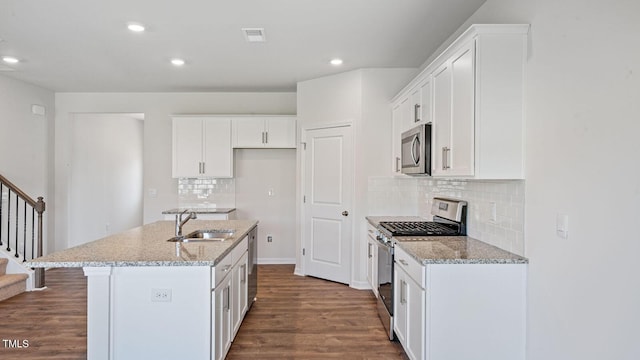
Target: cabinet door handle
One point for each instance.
(266, 137)
(226, 299)
(244, 273)
(445, 159)
(200, 167)
(416, 110)
(369, 250)
(403, 286)
(263, 137)
(203, 167)
(397, 164)
(403, 262)
(448, 155)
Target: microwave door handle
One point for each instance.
(415, 156)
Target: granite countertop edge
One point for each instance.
(501, 256)
(219, 249)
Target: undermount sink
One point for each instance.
(204, 235)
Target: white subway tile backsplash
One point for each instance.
(206, 192)
(413, 195)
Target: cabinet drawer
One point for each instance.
(239, 250)
(410, 265)
(222, 269)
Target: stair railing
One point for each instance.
(15, 229)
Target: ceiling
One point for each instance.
(85, 46)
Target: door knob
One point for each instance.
(345, 213)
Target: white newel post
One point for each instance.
(98, 312)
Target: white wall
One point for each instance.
(157, 108)
(105, 176)
(360, 98)
(260, 172)
(582, 149)
(25, 141)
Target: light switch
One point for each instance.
(562, 226)
(153, 193)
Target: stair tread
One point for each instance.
(10, 279)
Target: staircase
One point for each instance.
(11, 284)
(21, 239)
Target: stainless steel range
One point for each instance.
(449, 219)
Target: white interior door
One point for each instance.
(327, 190)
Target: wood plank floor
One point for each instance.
(307, 318)
(53, 321)
(294, 318)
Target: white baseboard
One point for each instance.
(276, 261)
(360, 285)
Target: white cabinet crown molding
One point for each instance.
(473, 31)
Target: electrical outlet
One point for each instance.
(161, 295)
(562, 226)
(493, 216)
(269, 238)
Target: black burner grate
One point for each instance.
(419, 228)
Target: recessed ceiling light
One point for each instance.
(336, 62)
(177, 62)
(10, 60)
(135, 27)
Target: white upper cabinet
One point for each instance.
(202, 147)
(473, 94)
(264, 132)
(453, 150)
(396, 131)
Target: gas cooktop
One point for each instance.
(419, 228)
(449, 219)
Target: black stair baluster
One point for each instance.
(9, 221)
(17, 221)
(33, 231)
(24, 233)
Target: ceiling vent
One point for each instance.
(254, 34)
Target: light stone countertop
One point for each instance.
(200, 210)
(448, 249)
(455, 250)
(147, 245)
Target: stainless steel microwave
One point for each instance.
(415, 155)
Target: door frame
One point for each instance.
(303, 243)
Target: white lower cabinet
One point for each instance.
(222, 318)
(459, 311)
(409, 306)
(229, 298)
(240, 285)
(372, 259)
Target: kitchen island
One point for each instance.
(152, 298)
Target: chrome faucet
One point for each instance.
(180, 222)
